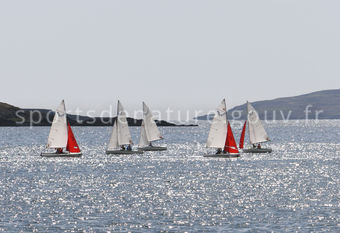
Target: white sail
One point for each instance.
(257, 133)
(151, 130)
(218, 128)
(143, 141)
(124, 136)
(113, 143)
(58, 132)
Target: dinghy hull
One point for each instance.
(123, 152)
(227, 155)
(64, 155)
(258, 151)
(152, 148)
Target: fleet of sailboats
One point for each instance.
(257, 133)
(61, 137)
(149, 132)
(221, 136)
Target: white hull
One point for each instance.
(152, 148)
(223, 155)
(123, 152)
(64, 154)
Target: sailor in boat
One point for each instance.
(254, 146)
(129, 148)
(150, 144)
(219, 151)
(59, 150)
(259, 146)
(122, 147)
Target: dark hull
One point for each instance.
(63, 155)
(123, 152)
(222, 155)
(152, 148)
(258, 151)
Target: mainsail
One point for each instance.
(120, 132)
(230, 143)
(149, 130)
(143, 141)
(113, 143)
(124, 136)
(58, 132)
(257, 133)
(218, 128)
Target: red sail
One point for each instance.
(243, 134)
(230, 143)
(72, 145)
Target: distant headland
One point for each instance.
(316, 105)
(15, 116)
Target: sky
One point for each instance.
(178, 54)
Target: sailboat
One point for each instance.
(221, 136)
(257, 133)
(120, 141)
(61, 136)
(149, 132)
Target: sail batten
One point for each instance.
(58, 135)
(218, 128)
(257, 133)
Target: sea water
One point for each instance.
(295, 188)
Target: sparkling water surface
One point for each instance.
(296, 188)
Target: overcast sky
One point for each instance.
(178, 54)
